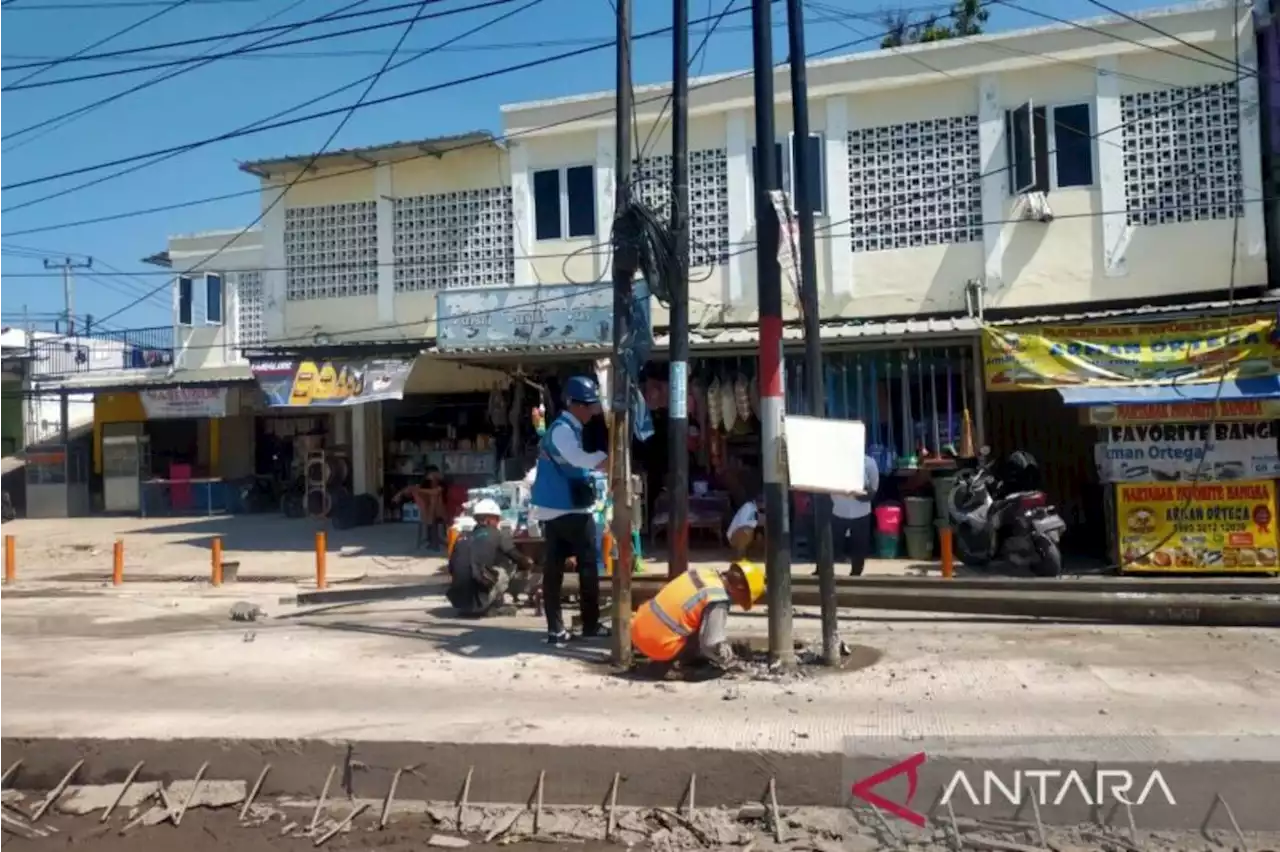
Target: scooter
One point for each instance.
(1000, 514)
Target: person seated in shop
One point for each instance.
(482, 565)
(428, 496)
(746, 530)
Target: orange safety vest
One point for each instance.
(661, 627)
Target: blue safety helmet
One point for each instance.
(582, 390)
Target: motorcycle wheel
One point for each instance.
(1050, 562)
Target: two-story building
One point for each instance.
(1103, 171)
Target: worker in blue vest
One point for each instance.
(562, 499)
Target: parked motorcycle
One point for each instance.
(1000, 513)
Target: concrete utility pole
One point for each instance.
(805, 197)
(772, 405)
(625, 263)
(68, 266)
(678, 483)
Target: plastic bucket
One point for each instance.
(920, 543)
(889, 519)
(942, 486)
(919, 511)
(887, 545)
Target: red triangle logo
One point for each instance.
(865, 789)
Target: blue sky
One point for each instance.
(232, 92)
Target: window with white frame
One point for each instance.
(564, 203)
(1049, 147)
(784, 161)
(186, 300)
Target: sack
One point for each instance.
(582, 493)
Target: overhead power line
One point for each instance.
(606, 111)
(111, 4)
(70, 116)
(112, 37)
(329, 141)
(262, 128)
(248, 49)
(186, 42)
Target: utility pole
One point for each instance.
(625, 263)
(769, 282)
(68, 266)
(805, 196)
(678, 484)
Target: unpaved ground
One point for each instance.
(267, 546)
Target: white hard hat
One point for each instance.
(487, 507)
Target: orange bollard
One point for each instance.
(948, 558)
(215, 576)
(321, 548)
(607, 545)
(117, 563)
(10, 559)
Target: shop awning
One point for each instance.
(1266, 387)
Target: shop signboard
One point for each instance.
(525, 317)
(1224, 411)
(1190, 352)
(332, 383)
(1181, 452)
(1225, 526)
(178, 403)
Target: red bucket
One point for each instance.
(889, 518)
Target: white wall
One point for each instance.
(238, 258)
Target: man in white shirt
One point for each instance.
(851, 524)
(746, 528)
(563, 500)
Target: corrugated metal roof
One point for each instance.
(153, 379)
(435, 144)
(1147, 313)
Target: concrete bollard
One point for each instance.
(10, 559)
(215, 569)
(117, 563)
(321, 548)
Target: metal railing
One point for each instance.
(124, 349)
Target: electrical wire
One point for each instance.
(274, 116)
(111, 4)
(79, 112)
(100, 75)
(112, 37)
(347, 117)
(186, 42)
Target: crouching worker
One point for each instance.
(481, 565)
(687, 622)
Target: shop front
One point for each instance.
(1180, 418)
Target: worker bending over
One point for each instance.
(687, 622)
(746, 530)
(481, 565)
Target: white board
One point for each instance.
(826, 456)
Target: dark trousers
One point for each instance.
(571, 536)
(852, 538)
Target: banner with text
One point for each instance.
(177, 403)
(525, 317)
(1216, 527)
(1224, 411)
(1200, 452)
(1194, 351)
(332, 383)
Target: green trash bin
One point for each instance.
(888, 545)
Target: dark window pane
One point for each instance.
(815, 183)
(184, 300)
(546, 204)
(580, 186)
(1074, 145)
(213, 298)
(1027, 145)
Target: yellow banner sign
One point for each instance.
(1227, 527)
(1195, 351)
(1225, 411)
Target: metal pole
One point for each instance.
(624, 271)
(805, 196)
(769, 281)
(678, 483)
(67, 265)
